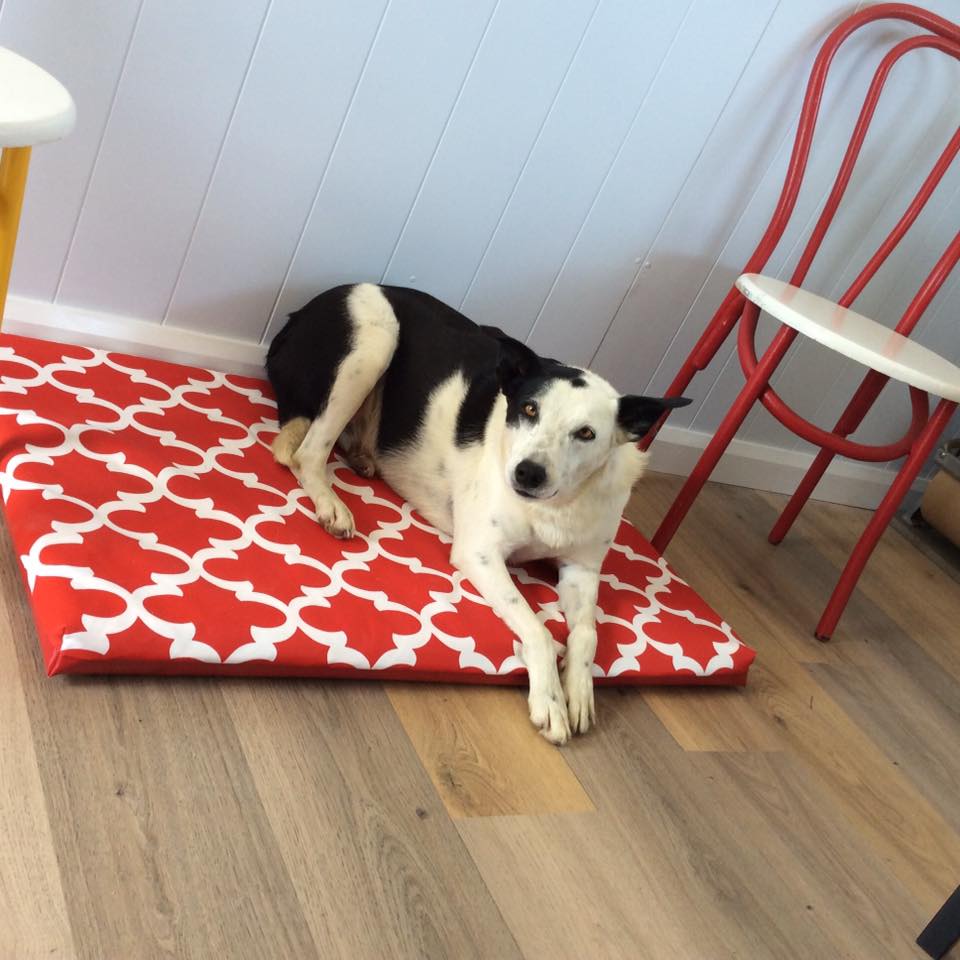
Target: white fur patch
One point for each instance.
(425, 472)
(374, 339)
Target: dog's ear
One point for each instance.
(516, 362)
(636, 415)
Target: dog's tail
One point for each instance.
(288, 440)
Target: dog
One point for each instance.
(517, 457)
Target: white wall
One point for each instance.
(588, 175)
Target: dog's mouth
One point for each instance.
(532, 494)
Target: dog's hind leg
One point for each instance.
(358, 442)
(374, 333)
(288, 440)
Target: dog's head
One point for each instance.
(562, 423)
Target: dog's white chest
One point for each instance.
(532, 537)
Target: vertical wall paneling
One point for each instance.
(87, 58)
(721, 211)
(402, 103)
(182, 77)
(719, 266)
(586, 127)
(666, 138)
(299, 87)
(516, 77)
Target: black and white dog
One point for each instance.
(515, 456)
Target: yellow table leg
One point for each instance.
(13, 180)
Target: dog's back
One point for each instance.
(433, 342)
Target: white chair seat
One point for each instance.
(853, 335)
(34, 108)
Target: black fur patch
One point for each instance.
(520, 374)
(475, 409)
(304, 356)
(636, 415)
(529, 389)
(561, 371)
(435, 342)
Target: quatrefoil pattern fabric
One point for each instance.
(157, 535)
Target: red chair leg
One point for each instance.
(922, 448)
(737, 413)
(851, 418)
(801, 495)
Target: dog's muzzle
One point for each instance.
(529, 477)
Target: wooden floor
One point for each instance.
(813, 814)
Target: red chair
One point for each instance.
(888, 353)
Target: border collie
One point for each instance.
(515, 456)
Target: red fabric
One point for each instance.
(157, 535)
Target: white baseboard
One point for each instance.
(675, 451)
(91, 328)
(775, 469)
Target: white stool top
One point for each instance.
(853, 335)
(34, 108)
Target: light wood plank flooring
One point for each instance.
(813, 814)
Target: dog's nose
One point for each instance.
(529, 475)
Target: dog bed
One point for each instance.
(156, 535)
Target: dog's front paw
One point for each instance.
(334, 516)
(578, 687)
(548, 710)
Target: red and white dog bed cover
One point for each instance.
(157, 535)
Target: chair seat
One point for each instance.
(853, 335)
(34, 107)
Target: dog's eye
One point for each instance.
(585, 433)
(530, 410)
